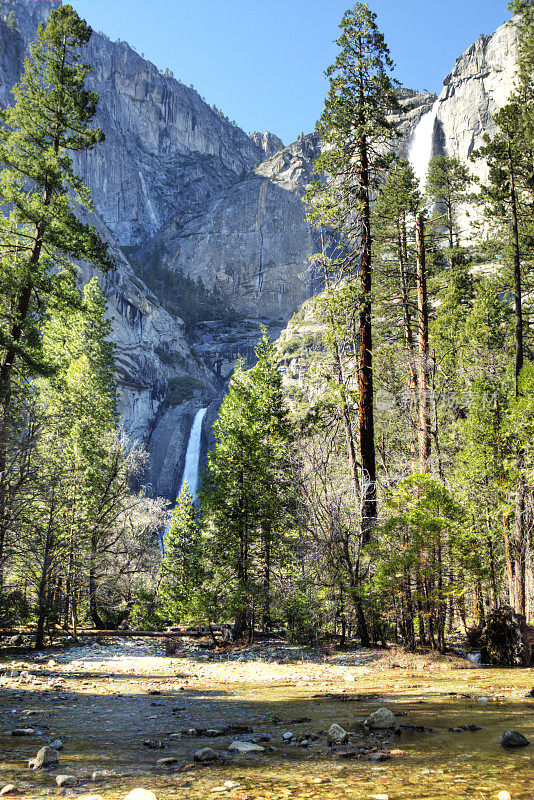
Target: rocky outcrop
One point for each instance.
(268, 142)
(478, 85)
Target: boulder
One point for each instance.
(245, 747)
(381, 719)
(336, 734)
(514, 739)
(46, 758)
(65, 780)
(205, 755)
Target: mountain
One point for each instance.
(212, 220)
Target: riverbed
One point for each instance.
(120, 706)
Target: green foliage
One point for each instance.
(41, 234)
(181, 389)
(169, 358)
(246, 497)
(144, 614)
(180, 295)
(181, 568)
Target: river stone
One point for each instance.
(140, 794)
(245, 747)
(205, 756)
(23, 732)
(514, 739)
(381, 719)
(46, 758)
(57, 744)
(336, 734)
(8, 789)
(64, 780)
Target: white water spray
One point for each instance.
(192, 455)
(421, 146)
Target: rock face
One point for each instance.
(267, 141)
(251, 242)
(478, 85)
(178, 183)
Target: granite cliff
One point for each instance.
(178, 184)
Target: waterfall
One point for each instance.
(421, 147)
(192, 455)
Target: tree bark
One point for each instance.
(365, 366)
(425, 441)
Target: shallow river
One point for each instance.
(104, 715)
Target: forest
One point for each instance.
(388, 497)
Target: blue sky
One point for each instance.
(262, 63)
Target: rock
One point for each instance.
(336, 734)
(205, 755)
(140, 794)
(514, 739)
(504, 795)
(245, 747)
(381, 719)
(9, 788)
(103, 774)
(154, 744)
(46, 758)
(377, 757)
(165, 762)
(65, 780)
(57, 744)
(23, 732)
(287, 736)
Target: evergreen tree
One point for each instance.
(246, 497)
(181, 566)
(40, 233)
(81, 395)
(447, 184)
(355, 129)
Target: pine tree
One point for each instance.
(181, 569)
(40, 233)
(447, 184)
(355, 129)
(246, 497)
(81, 395)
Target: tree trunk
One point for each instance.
(425, 441)
(365, 366)
(42, 595)
(409, 345)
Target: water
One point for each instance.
(105, 722)
(192, 456)
(421, 148)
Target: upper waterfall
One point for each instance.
(421, 147)
(192, 455)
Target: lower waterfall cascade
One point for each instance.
(192, 455)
